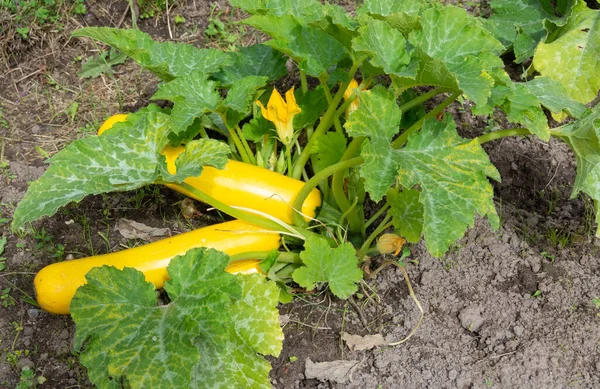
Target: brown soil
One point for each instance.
(515, 308)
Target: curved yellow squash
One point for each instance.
(55, 285)
(241, 184)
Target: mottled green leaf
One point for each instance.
(193, 96)
(167, 60)
(337, 266)
(407, 213)
(583, 136)
(458, 40)
(329, 149)
(256, 60)
(314, 50)
(520, 23)
(452, 174)
(125, 157)
(402, 15)
(572, 58)
(385, 45)
(337, 23)
(377, 117)
(553, 96)
(305, 11)
(208, 336)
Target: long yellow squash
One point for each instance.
(241, 184)
(55, 285)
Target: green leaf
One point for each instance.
(193, 96)
(235, 107)
(328, 150)
(583, 136)
(459, 41)
(250, 6)
(386, 45)
(126, 157)
(256, 60)
(401, 15)
(167, 60)
(314, 50)
(520, 23)
(198, 153)
(336, 266)
(553, 96)
(100, 64)
(377, 117)
(337, 23)
(305, 11)
(407, 213)
(572, 58)
(208, 336)
(313, 103)
(2, 244)
(452, 174)
(450, 171)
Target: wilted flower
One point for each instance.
(282, 112)
(390, 243)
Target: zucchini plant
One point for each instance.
(354, 130)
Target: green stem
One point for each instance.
(502, 134)
(245, 144)
(239, 146)
(288, 154)
(337, 185)
(401, 140)
(303, 82)
(376, 215)
(283, 256)
(324, 124)
(385, 224)
(422, 98)
(336, 119)
(311, 184)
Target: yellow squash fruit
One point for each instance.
(244, 185)
(120, 117)
(55, 285)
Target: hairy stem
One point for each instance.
(303, 82)
(422, 98)
(311, 184)
(245, 144)
(377, 215)
(385, 224)
(336, 119)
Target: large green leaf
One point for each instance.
(377, 117)
(328, 150)
(208, 336)
(450, 172)
(313, 49)
(460, 42)
(167, 60)
(521, 23)
(336, 266)
(403, 15)
(583, 136)
(553, 96)
(193, 96)
(385, 45)
(572, 57)
(125, 157)
(255, 60)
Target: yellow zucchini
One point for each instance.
(55, 285)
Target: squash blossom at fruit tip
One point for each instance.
(282, 112)
(347, 93)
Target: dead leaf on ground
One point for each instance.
(130, 229)
(335, 371)
(360, 343)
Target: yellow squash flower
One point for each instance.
(347, 93)
(282, 114)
